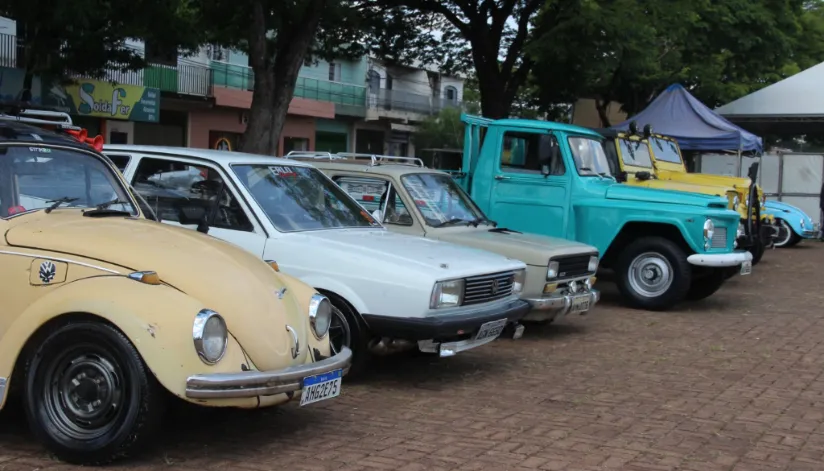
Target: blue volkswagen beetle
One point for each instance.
(794, 224)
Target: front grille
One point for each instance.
(485, 288)
(572, 266)
(719, 238)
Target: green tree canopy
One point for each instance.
(628, 51)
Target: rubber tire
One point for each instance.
(794, 238)
(143, 412)
(359, 333)
(757, 251)
(705, 286)
(682, 273)
(730, 272)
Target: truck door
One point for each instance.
(522, 197)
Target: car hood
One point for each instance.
(727, 183)
(432, 257)
(777, 206)
(532, 249)
(649, 195)
(684, 186)
(225, 278)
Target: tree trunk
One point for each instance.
(601, 106)
(257, 137)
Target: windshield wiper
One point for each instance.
(58, 202)
(452, 222)
(102, 209)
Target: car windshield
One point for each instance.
(297, 198)
(589, 156)
(39, 177)
(635, 153)
(665, 151)
(440, 201)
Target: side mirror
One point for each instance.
(622, 176)
(643, 175)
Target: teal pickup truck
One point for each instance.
(553, 179)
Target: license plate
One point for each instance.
(580, 304)
(491, 329)
(321, 387)
(746, 268)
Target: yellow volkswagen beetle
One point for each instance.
(105, 312)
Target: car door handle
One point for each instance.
(501, 177)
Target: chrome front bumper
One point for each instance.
(262, 383)
(719, 259)
(561, 304)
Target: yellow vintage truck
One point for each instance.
(655, 161)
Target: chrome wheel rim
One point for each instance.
(786, 239)
(340, 333)
(84, 393)
(650, 274)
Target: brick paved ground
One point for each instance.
(731, 383)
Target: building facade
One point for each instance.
(203, 100)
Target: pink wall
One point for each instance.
(229, 120)
(242, 99)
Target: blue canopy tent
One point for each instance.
(676, 113)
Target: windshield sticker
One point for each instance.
(43, 150)
(283, 171)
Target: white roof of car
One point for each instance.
(220, 156)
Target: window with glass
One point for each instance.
(189, 194)
(297, 198)
(665, 150)
(440, 201)
(635, 153)
(521, 153)
(38, 177)
(377, 196)
(588, 154)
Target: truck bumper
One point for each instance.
(263, 383)
(720, 260)
(551, 307)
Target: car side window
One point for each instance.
(520, 154)
(373, 194)
(186, 193)
(119, 161)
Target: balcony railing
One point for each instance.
(188, 78)
(408, 102)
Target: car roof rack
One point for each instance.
(28, 114)
(308, 154)
(377, 159)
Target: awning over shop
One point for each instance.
(678, 114)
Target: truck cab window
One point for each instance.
(520, 154)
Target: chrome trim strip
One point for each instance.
(3, 382)
(262, 383)
(58, 259)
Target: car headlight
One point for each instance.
(210, 336)
(518, 281)
(320, 315)
(552, 271)
(736, 201)
(447, 294)
(803, 226)
(741, 231)
(593, 264)
(709, 231)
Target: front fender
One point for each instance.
(303, 294)
(789, 214)
(319, 281)
(157, 319)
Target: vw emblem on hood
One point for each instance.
(494, 287)
(47, 271)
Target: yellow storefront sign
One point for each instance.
(105, 100)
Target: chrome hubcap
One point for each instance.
(650, 274)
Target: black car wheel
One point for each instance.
(89, 398)
(653, 273)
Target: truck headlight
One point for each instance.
(518, 281)
(446, 294)
(741, 231)
(709, 231)
(552, 271)
(735, 202)
(320, 315)
(593, 264)
(210, 336)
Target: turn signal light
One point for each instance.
(147, 277)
